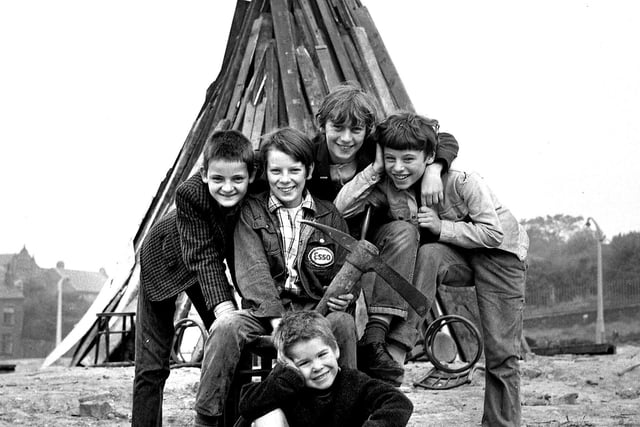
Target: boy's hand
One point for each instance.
(275, 321)
(339, 303)
(285, 361)
(432, 188)
(428, 218)
(378, 163)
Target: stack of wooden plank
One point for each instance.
(282, 57)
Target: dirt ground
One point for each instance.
(562, 390)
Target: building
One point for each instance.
(28, 300)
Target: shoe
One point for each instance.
(374, 360)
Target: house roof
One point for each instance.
(85, 281)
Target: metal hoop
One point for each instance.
(179, 328)
(436, 326)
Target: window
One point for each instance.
(6, 344)
(9, 316)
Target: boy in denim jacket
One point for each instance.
(281, 265)
(307, 388)
(469, 238)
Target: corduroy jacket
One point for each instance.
(188, 246)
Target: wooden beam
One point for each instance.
(271, 89)
(258, 122)
(363, 19)
(369, 59)
(311, 79)
(336, 41)
(282, 26)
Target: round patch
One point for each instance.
(321, 256)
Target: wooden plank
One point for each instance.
(271, 89)
(258, 122)
(311, 79)
(294, 102)
(311, 23)
(305, 33)
(586, 348)
(369, 59)
(363, 19)
(264, 38)
(249, 93)
(247, 124)
(363, 72)
(333, 31)
(241, 77)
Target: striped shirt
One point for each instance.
(289, 220)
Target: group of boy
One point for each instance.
(280, 269)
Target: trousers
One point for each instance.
(499, 278)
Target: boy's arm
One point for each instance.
(253, 273)
(356, 194)
(281, 387)
(483, 228)
(200, 240)
(446, 152)
(388, 406)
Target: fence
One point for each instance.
(551, 299)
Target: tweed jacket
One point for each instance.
(354, 399)
(259, 256)
(188, 246)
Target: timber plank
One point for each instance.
(294, 102)
(363, 19)
(370, 61)
(247, 124)
(241, 77)
(258, 123)
(363, 72)
(271, 89)
(311, 79)
(336, 41)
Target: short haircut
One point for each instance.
(229, 145)
(303, 325)
(348, 105)
(408, 131)
(291, 142)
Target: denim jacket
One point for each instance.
(259, 257)
(471, 214)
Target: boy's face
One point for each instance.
(286, 177)
(227, 181)
(405, 167)
(343, 141)
(316, 361)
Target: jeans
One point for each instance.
(154, 337)
(228, 337)
(499, 278)
(398, 244)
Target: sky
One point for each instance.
(97, 98)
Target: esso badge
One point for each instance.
(321, 256)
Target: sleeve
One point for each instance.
(483, 228)
(282, 386)
(387, 405)
(447, 150)
(253, 273)
(200, 240)
(356, 194)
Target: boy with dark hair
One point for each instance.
(469, 238)
(281, 265)
(307, 388)
(185, 251)
(344, 147)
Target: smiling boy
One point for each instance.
(307, 387)
(281, 265)
(468, 239)
(185, 251)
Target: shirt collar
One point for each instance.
(307, 202)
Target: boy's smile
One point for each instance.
(316, 361)
(228, 181)
(343, 141)
(287, 178)
(405, 167)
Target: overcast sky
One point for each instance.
(96, 99)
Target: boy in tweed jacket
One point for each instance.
(185, 251)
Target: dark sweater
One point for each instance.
(353, 400)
